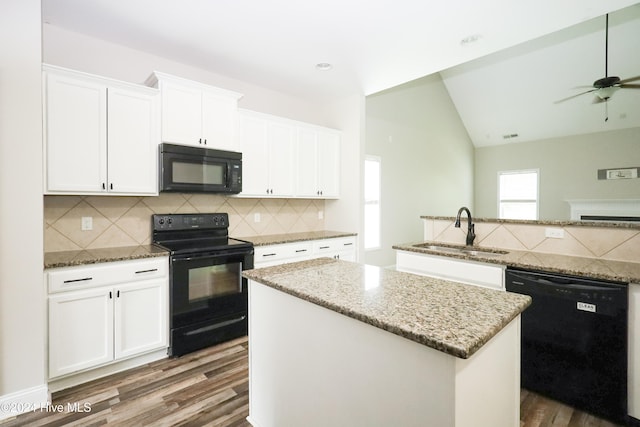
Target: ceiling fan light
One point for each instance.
(606, 92)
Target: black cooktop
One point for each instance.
(202, 245)
(191, 233)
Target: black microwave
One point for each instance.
(188, 169)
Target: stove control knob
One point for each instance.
(169, 220)
(161, 221)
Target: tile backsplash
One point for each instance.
(126, 221)
(612, 243)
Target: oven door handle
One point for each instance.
(189, 257)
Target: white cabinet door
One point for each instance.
(181, 114)
(634, 350)
(75, 134)
(133, 142)
(255, 151)
(281, 137)
(140, 317)
(307, 163)
(267, 147)
(197, 114)
(328, 164)
(101, 135)
(286, 158)
(80, 330)
(219, 121)
(317, 163)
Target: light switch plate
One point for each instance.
(256, 217)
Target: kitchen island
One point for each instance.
(344, 344)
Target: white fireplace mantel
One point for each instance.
(607, 208)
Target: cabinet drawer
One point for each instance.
(280, 252)
(84, 277)
(334, 245)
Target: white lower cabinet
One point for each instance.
(106, 313)
(343, 248)
(80, 331)
(468, 272)
(266, 256)
(634, 351)
(339, 248)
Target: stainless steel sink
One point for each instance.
(462, 250)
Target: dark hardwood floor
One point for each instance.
(211, 388)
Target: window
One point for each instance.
(371, 202)
(518, 194)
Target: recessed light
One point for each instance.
(324, 66)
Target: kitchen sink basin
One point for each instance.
(462, 250)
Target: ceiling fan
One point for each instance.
(605, 87)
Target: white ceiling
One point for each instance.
(373, 45)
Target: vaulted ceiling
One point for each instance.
(512, 96)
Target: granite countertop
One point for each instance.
(276, 239)
(595, 268)
(93, 256)
(573, 223)
(454, 318)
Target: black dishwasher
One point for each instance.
(574, 340)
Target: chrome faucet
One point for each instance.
(471, 235)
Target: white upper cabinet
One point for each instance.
(286, 158)
(318, 162)
(101, 135)
(197, 114)
(267, 156)
(133, 144)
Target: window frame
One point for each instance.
(365, 203)
(517, 172)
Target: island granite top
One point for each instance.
(94, 256)
(276, 239)
(594, 268)
(454, 318)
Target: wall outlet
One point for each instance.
(87, 223)
(256, 217)
(554, 233)
(320, 214)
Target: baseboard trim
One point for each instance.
(72, 380)
(22, 401)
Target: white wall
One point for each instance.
(345, 214)
(79, 52)
(568, 170)
(22, 306)
(427, 159)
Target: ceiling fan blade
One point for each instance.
(574, 96)
(630, 86)
(630, 79)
